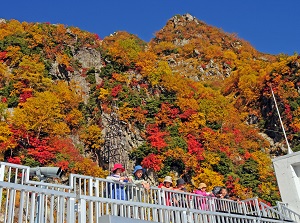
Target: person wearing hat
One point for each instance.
(117, 189)
(167, 183)
(180, 200)
(138, 177)
(180, 185)
(202, 190)
(202, 199)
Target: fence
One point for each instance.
(86, 199)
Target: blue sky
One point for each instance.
(271, 26)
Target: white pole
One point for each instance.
(287, 142)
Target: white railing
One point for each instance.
(93, 197)
(21, 203)
(283, 208)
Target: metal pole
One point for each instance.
(287, 142)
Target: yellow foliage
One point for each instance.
(267, 188)
(229, 55)
(164, 47)
(187, 103)
(193, 125)
(147, 62)
(264, 166)
(89, 168)
(69, 94)
(209, 177)
(14, 26)
(123, 47)
(163, 71)
(31, 69)
(210, 159)
(6, 137)
(41, 113)
(15, 54)
(92, 137)
(242, 192)
(121, 78)
(103, 93)
(125, 112)
(216, 109)
(179, 154)
(63, 59)
(74, 118)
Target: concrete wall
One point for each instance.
(287, 169)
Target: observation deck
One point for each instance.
(89, 199)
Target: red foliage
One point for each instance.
(238, 136)
(144, 86)
(187, 114)
(42, 153)
(4, 100)
(226, 150)
(26, 93)
(192, 86)
(134, 82)
(97, 37)
(156, 137)
(247, 155)
(195, 147)
(288, 113)
(139, 110)
(230, 185)
(66, 149)
(15, 160)
(152, 162)
(2, 55)
(63, 164)
(115, 91)
(172, 112)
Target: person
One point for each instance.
(202, 200)
(222, 205)
(117, 190)
(137, 178)
(180, 185)
(223, 193)
(179, 200)
(202, 190)
(167, 184)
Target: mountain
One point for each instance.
(194, 102)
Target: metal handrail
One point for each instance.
(81, 185)
(22, 203)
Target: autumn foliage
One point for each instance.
(195, 98)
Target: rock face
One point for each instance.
(119, 137)
(87, 59)
(119, 141)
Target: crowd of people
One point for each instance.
(138, 178)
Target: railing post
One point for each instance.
(97, 194)
(71, 210)
(2, 169)
(257, 207)
(81, 211)
(91, 211)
